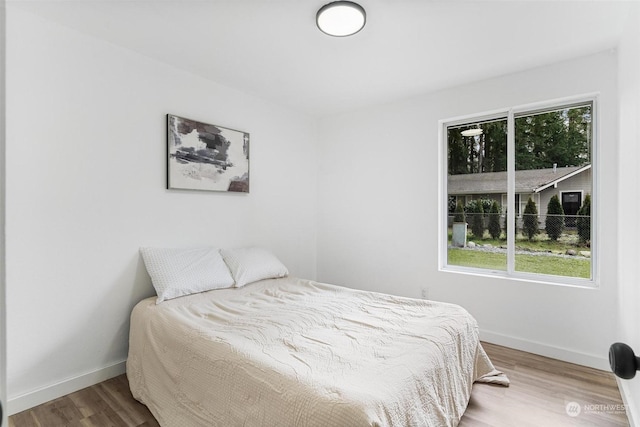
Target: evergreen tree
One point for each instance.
(561, 137)
(530, 219)
(477, 221)
(554, 223)
(495, 146)
(486, 152)
(506, 223)
(583, 223)
(494, 221)
(458, 152)
(459, 215)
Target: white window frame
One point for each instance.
(518, 207)
(509, 114)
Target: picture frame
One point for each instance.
(206, 157)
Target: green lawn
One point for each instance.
(558, 266)
(540, 242)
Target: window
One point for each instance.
(537, 160)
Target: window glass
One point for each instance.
(477, 165)
(551, 193)
(553, 162)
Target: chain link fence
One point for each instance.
(486, 225)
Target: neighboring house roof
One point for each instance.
(527, 181)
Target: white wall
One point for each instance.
(85, 189)
(629, 178)
(3, 324)
(378, 211)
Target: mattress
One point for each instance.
(294, 352)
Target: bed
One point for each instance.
(294, 352)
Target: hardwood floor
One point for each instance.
(108, 403)
(540, 390)
(538, 396)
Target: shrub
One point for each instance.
(459, 215)
(494, 221)
(484, 203)
(506, 222)
(530, 219)
(477, 221)
(583, 223)
(554, 223)
(451, 204)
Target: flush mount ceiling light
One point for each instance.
(341, 18)
(472, 132)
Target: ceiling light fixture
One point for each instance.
(472, 132)
(341, 18)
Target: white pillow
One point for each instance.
(177, 272)
(252, 264)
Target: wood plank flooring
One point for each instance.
(108, 403)
(540, 390)
(538, 396)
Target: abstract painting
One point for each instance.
(207, 157)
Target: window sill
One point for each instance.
(565, 281)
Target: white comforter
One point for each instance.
(291, 352)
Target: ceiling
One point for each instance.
(273, 50)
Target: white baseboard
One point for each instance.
(560, 353)
(34, 398)
(630, 404)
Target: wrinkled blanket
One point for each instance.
(292, 352)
